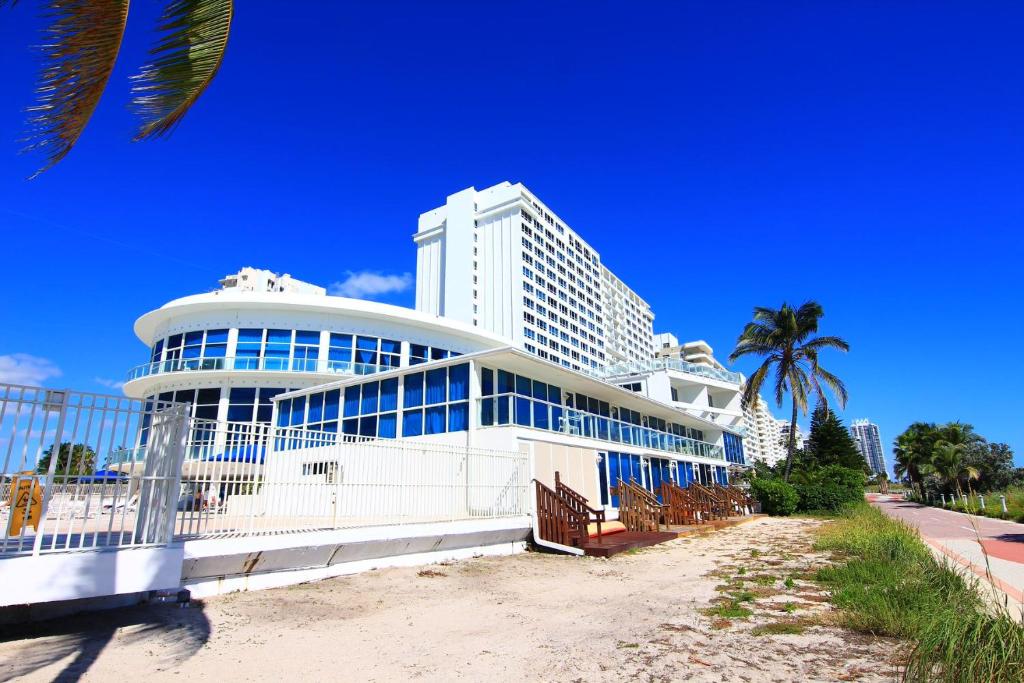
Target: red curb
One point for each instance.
(982, 572)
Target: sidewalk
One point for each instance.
(966, 540)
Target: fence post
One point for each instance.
(981, 501)
(53, 399)
(943, 500)
(1002, 499)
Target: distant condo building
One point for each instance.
(784, 424)
(869, 443)
(762, 437)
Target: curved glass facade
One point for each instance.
(284, 350)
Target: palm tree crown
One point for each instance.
(785, 338)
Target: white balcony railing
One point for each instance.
(321, 366)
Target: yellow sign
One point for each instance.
(26, 497)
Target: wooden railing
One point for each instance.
(578, 503)
(717, 507)
(737, 499)
(681, 506)
(563, 515)
(639, 509)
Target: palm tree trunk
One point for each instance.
(792, 443)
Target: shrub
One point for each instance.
(830, 489)
(776, 496)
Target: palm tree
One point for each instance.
(913, 453)
(952, 442)
(784, 338)
(948, 461)
(82, 43)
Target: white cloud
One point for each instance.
(23, 368)
(368, 285)
(109, 383)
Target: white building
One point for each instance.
(762, 437)
(508, 348)
(784, 435)
(501, 260)
(869, 442)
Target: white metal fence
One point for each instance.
(85, 471)
(60, 489)
(245, 479)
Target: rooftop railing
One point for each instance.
(515, 409)
(634, 367)
(265, 364)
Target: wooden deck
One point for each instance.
(629, 540)
(626, 540)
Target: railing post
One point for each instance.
(981, 501)
(943, 500)
(1002, 499)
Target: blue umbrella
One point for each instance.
(250, 453)
(101, 477)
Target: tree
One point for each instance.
(830, 443)
(913, 453)
(948, 461)
(784, 337)
(82, 44)
(79, 460)
(994, 462)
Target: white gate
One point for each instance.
(86, 471)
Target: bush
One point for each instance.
(830, 489)
(776, 496)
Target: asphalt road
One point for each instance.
(967, 539)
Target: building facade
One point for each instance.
(520, 340)
(501, 260)
(762, 438)
(869, 443)
(783, 425)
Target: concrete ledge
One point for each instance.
(214, 566)
(76, 575)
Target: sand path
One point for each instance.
(530, 617)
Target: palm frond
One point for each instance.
(81, 46)
(834, 383)
(185, 62)
(752, 392)
(827, 342)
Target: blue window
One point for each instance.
(339, 354)
(351, 401)
(307, 350)
(316, 408)
(389, 395)
(390, 353)
(413, 390)
(435, 422)
(284, 411)
(412, 423)
(487, 381)
(436, 384)
(369, 403)
(277, 348)
(418, 353)
(247, 351)
(216, 344)
(387, 425)
(298, 410)
(366, 350)
(458, 417)
(158, 350)
(458, 382)
(368, 425)
(331, 404)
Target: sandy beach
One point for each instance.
(646, 615)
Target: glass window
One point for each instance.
(435, 420)
(387, 425)
(458, 382)
(277, 349)
(458, 417)
(247, 351)
(339, 354)
(413, 390)
(487, 381)
(417, 354)
(369, 403)
(412, 423)
(390, 353)
(351, 401)
(331, 399)
(389, 394)
(366, 350)
(436, 380)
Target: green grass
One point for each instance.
(887, 582)
(729, 610)
(743, 596)
(789, 582)
(778, 628)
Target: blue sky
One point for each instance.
(718, 155)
